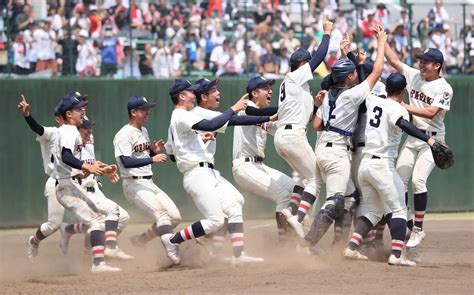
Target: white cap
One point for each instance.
(92, 7)
(84, 33)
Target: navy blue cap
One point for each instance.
(204, 85)
(76, 94)
(431, 54)
(395, 82)
(181, 85)
(299, 55)
(68, 103)
(341, 69)
(259, 82)
(86, 123)
(139, 102)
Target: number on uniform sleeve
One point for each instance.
(282, 92)
(375, 122)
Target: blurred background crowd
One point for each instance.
(168, 39)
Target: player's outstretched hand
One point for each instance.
(160, 158)
(361, 56)
(241, 104)
(381, 35)
(274, 118)
(23, 106)
(319, 98)
(97, 168)
(158, 146)
(207, 136)
(327, 26)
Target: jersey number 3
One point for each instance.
(282, 92)
(375, 122)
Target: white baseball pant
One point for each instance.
(416, 160)
(380, 185)
(75, 198)
(144, 194)
(55, 210)
(214, 197)
(293, 146)
(261, 180)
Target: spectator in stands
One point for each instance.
(284, 61)
(219, 56)
(423, 29)
(56, 21)
(69, 51)
(208, 44)
(80, 18)
(366, 29)
(162, 61)
(270, 63)
(214, 6)
(252, 64)
(45, 39)
(289, 42)
(87, 60)
(151, 19)
(130, 62)
(177, 64)
(136, 16)
(20, 55)
(146, 61)
(95, 21)
(440, 14)
(192, 46)
(109, 52)
(233, 66)
(23, 18)
(120, 13)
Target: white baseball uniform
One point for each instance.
(416, 156)
(295, 108)
(333, 148)
(138, 186)
(47, 143)
(249, 170)
(225, 185)
(69, 192)
(378, 178)
(213, 195)
(110, 209)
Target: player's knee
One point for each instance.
(213, 223)
(49, 227)
(97, 223)
(175, 218)
(419, 184)
(334, 206)
(400, 213)
(124, 219)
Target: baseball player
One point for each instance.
(116, 218)
(340, 111)
(46, 136)
(430, 99)
(208, 97)
(248, 168)
(379, 181)
(135, 154)
(295, 109)
(68, 167)
(214, 197)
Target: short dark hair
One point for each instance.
(394, 93)
(129, 113)
(175, 98)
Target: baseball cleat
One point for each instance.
(417, 235)
(412, 254)
(244, 259)
(117, 253)
(135, 240)
(287, 213)
(297, 226)
(354, 254)
(103, 267)
(401, 261)
(171, 249)
(64, 238)
(31, 249)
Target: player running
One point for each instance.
(430, 98)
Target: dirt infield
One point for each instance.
(447, 267)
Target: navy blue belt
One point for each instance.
(254, 159)
(330, 144)
(338, 130)
(142, 177)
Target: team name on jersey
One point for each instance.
(89, 161)
(141, 147)
(418, 95)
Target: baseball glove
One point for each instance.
(442, 155)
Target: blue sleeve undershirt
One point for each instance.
(70, 160)
(411, 129)
(215, 123)
(130, 162)
(320, 54)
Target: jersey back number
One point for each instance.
(282, 92)
(375, 122)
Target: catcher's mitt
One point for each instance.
(442, 155)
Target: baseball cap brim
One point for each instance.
(426, 57)
(148, 105)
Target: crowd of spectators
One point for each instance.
(215, 37)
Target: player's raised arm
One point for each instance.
(323, 47)
(24, 108)
(381, 36)
(222, 119)
(393, 59)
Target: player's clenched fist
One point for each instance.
(24, 107)
(160, 158)
(207, 136)
(380, 34)
(97, 168)
(327, 26)
(241, 104)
